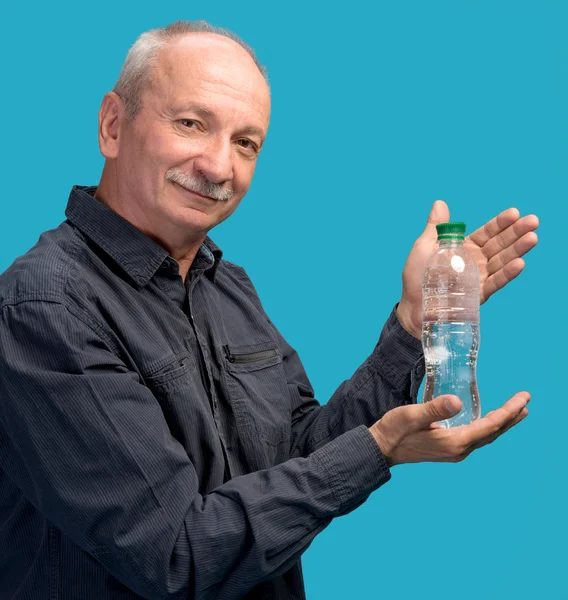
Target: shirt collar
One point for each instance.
(134, 251)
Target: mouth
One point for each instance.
(194, 192)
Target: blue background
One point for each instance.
(377, 111)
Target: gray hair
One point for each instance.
(135, 72)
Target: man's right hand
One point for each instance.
(410, 433)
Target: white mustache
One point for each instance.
(200, 185)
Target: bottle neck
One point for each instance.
(450, 243)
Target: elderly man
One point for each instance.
(158, 436)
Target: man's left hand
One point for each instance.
(496, 247)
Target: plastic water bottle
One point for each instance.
(450, 323)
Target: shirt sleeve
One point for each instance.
(390, 377)
(87, 444)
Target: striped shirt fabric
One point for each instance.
(159, 438)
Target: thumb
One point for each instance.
(440, 408)
(440, 213)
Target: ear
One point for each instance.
(111, 115)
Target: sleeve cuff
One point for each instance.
(354, 466)
(398, 356)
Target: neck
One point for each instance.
(180, 248)
(450, 242)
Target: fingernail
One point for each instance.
(448, 404)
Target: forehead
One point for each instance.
(210, 69)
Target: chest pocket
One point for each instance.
(166, 370)
(258, 393)
(171, 379)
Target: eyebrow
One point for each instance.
(196, 108)
(250, 130)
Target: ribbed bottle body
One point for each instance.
(450, 328)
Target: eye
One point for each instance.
(189, 123)
(247, 144)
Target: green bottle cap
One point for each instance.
(451, 231)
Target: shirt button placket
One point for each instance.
(204, 355)
(211, 388)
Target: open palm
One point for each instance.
(497, 248)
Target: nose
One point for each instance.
(215, 161)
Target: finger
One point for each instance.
(512, 407)
(440, 213)
(510, 235)
(503, 220)
(519, 248)
(438, 409)
(494, 421)
(526, 395)
(524, 413)
(490, 439)
(501, 278)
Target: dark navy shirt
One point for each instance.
(158, 437)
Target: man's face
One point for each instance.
(187, 158)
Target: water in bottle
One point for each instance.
(450, 323)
